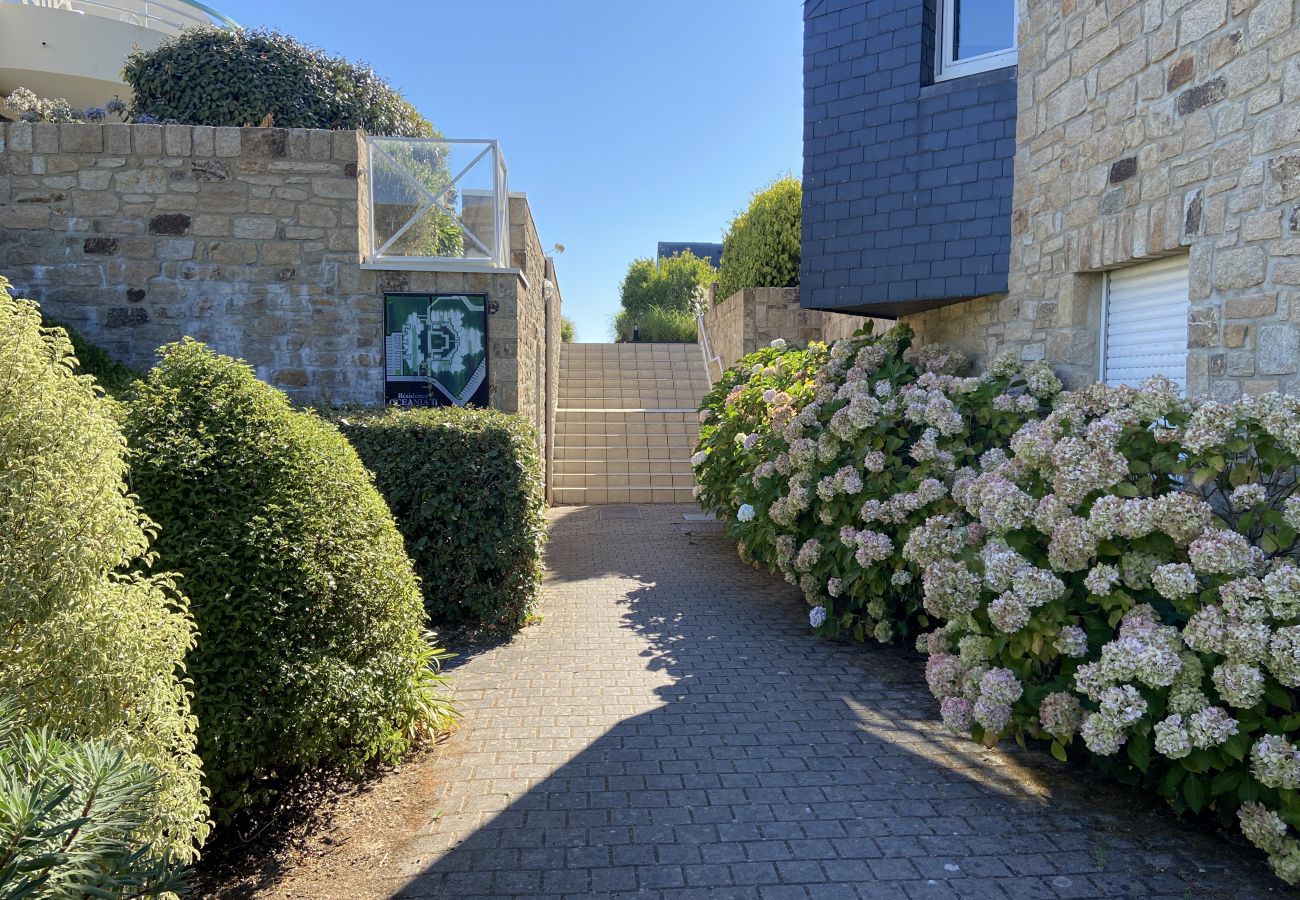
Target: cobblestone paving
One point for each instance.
(672, 730)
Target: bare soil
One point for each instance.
(333, 841)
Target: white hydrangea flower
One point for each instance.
(1248, 496)
(745, 513)
(698, 459)
(778, 344)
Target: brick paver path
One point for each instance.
(671, 729)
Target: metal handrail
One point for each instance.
(147, 13)
(706, 349)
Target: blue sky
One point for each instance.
(626, 123)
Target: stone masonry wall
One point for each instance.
(249, 239)
(754, 317)
(1149, 128)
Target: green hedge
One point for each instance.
(672, 284)
(466, 488)
(761, 248)
(93, 645)
(656, 324)
(310, 650)
(212, 76)
(114, 377)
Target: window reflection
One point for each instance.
(982, 26)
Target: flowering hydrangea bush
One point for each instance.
(1128, 575)
(737, 421)
(826, 481)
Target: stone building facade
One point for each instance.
(1150, 130)
(251, 240)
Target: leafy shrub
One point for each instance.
(739, 406)
(672, 284)
(567, 330)
(761, 247)
(30, 108)
(656, 324)
(74, 820)
(114, 377)
(838, 474)
(310, 650)
(92, 644)
(214, 76)
(1130, 576)
(466, 488)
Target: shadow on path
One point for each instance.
(673, 730)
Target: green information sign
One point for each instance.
(435, 349)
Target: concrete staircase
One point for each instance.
(626, 423)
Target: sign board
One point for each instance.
(435, 349)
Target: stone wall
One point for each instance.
(1150, 128)
(250, 239)
(754, 317)
(980, 328)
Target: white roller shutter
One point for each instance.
(1145, 327)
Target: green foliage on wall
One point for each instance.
(466, 488)
(761, 248)
(114, 377)
(310, 618)
(567, 330)
(670, 284)
(212, 76)
(93, 646)
(656, 324)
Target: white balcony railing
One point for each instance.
(169, 16)
(438, 203)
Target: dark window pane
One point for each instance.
(983, 26)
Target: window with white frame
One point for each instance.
(975, 36)
(1144, 323)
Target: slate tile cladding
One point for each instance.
(907, 181)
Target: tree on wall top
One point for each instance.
(214, 76)
(761, 247)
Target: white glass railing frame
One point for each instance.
(494, 250)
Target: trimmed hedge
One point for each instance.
(214, 76)
(93, 645)
(761, 247)
(466, 488)
(310, 650)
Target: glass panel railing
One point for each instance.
(438, 199)
(167, 16)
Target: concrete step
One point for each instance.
(604, 465)
(584, 496)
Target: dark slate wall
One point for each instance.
(907, 182)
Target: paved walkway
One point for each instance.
(671, 729)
